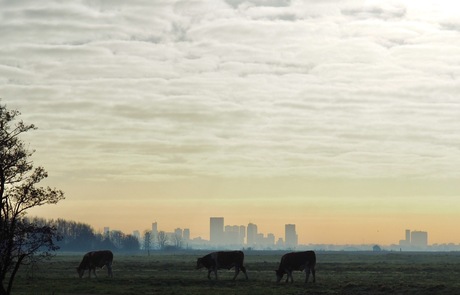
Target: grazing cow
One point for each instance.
(94, 259)
(222, 259)
(296, 261)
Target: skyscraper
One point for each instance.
(419, 239)
(186, 234)
(251, 234)
(154, 229)
(290, 235)
(216, 234)
(242, 234)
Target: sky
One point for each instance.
(341, 117)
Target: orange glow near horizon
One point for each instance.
(319, 219)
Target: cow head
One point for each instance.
(199, 263)
(80, 272)
(279, 275)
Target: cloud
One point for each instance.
(380, 12)
(234, 88)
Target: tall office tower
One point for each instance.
(154, 229)
(232, 234)
(251, 234)
(178, 232)
(106, 230)
(186, 234)
(216, 234)
(280, 243)
(290, 235)
(408, 236)
(406, 241)
(137, 234)
(419, 239)
(242, 234)
(270, 239)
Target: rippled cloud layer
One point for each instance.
(262, 88)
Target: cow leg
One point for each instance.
(94, 270)
(237, 271)
(109, 269)
(209, 273)
(307, 274)
(313, 272)
(290, 275)
(243, 269)
(215, 273)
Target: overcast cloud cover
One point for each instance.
(164, 89)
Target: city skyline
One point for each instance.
(221, 234)
(340, 117)
(225, 235)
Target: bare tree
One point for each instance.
(162, 240)
(21, 240)
(148, 241)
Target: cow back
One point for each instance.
(222, 259)
(96, 259)
(228, 259)
(298, 260)
(101, 258)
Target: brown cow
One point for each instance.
(222, 259)
(296, 261)
(94, 259)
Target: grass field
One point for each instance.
(175, 273)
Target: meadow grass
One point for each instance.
(175, 273)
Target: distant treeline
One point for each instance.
(77, 236)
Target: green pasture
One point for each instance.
(175, 273)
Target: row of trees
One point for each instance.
(76, 236)
(161, 241)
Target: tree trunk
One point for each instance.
(13, 274)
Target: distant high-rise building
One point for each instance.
(419, 238)
(290, 235)
(178, 232)
(242, 234)
(251, 234)
(216, 235)
(408, 236)
(137, 234)
(106, 230)
(232, 234)
(154, 229)
(280, 243)
(270, 239)
(186, 234)
(405, 242)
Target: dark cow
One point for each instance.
(94, 259)
(297, 261)
(222, 260)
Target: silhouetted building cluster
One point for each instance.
(414, 240)
(220, 236)
(240, 235)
